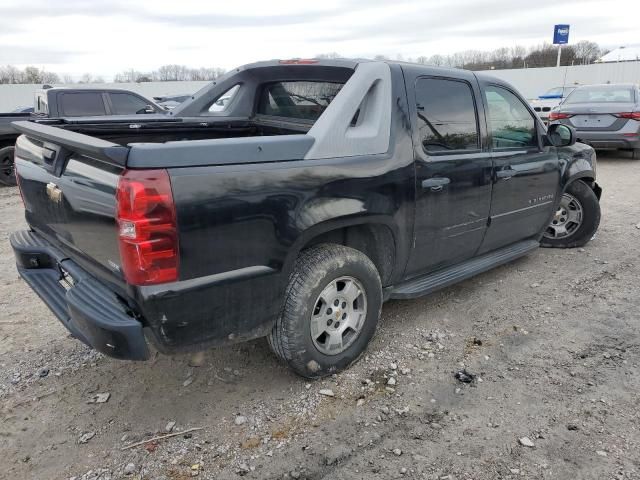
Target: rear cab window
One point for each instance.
(447, 120)
(82, 104)
(302, 100)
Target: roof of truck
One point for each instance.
(353, 62)
(86, 89)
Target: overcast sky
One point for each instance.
(104, 37)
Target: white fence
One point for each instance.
(530, 81)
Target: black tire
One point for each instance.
(635, 153)
(7, 171)
(590, 221)
(316, 268)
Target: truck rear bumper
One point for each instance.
(85, 306)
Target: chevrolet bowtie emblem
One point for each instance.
(53, 192)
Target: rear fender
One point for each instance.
(324, 227)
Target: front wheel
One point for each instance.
(7, 170)
(576, 219)
(330, 312)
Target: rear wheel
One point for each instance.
(576, 220)
(330, 313)
(7, 171)
(635, 154)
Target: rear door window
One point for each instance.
(511, 123)
(305, 100)
(127, 104)
(82, 104)
(447, 119)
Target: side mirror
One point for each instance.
(560, 135)
(146, 109)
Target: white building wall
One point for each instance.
(532, 82)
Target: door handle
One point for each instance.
(435, 184)
(506, 173)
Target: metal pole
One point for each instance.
(559, 51)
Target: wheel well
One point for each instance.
(590, 181)
(7, 143)
(374, 240)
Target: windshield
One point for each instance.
(602, 94)
(553, 92)
(558, 92)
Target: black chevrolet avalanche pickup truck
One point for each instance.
(319, 190)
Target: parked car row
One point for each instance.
(605, 116)
(68, 103)
(549, 100)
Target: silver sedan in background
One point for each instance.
(604, 116)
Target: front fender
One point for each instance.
(578, 161)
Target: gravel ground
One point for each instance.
(553, 338)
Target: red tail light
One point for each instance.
(559, 115)
(147, 229)
(631, 115)
(298, 61)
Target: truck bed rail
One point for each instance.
(77, 142)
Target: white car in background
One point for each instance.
(551, 99)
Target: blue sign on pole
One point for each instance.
(561, 34)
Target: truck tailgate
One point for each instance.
(68, 183)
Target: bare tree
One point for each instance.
(32, 75)
(171, 73)
(587, 52)
(329, 55)
(200, 74)
(86, 78)
(49, 77)
(128, 76)
(11, 74)
(437, 60)
(583, 52)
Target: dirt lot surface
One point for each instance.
(554, 339)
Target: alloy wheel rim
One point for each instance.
(338, 315)
(567, 219)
